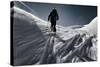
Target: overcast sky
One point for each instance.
(68, 14)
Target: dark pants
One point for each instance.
(53, 26)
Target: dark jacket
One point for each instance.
(53, 17)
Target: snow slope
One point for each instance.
(33, 43)
(91, 27)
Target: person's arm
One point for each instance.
(49, 16)
(57, 17)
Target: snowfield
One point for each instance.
(35, 44)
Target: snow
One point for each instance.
(32, 40)
(91, 27)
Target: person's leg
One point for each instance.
(51, 26)
(54, 27)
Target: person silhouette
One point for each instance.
(53, 17)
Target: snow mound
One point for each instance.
(91, 27)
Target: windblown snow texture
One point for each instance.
(35, 44)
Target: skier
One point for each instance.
(53, 17)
